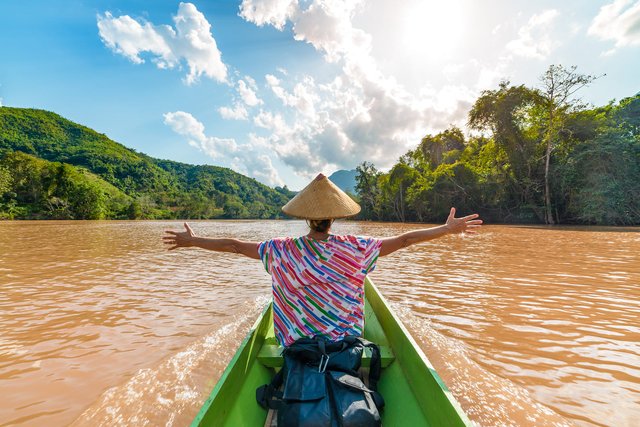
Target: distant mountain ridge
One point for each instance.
(43, 156)
(345, 179)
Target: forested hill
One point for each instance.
(51, 167)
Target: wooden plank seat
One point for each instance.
(270, 355)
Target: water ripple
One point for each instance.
(527, 324)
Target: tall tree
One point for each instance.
(506, 113)
(5, 181)
(559, 84)
(367, 189)
(401, 176)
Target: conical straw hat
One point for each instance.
(321, 199)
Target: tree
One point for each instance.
(368, 189)
(559, 84)
(134, 211)
(602, 177)
(401, 176)
(233, 208)
(7, 202)
(5, 181)
(433, 148)
(507, 114)
(627, 114)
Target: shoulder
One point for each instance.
(347, 239)
(277, 243)
(343, 237)
(359, 242)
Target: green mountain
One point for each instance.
(51, 167)
(345, 179)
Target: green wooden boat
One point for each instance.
(414, 393)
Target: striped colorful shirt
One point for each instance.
(318, 285)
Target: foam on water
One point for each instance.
(171, 393)
(488, 400)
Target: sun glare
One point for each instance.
(432, 29)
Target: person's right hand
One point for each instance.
(179, 239)
(466, 224)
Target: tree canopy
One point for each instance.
(534, 156)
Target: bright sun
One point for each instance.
(432, 29)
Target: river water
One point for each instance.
(528, 326)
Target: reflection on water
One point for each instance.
(528, 326)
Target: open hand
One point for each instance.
(466, 224)
(179, 239)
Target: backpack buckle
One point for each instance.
(323, 359)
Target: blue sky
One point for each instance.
(283, 89)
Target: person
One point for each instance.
(318, 278)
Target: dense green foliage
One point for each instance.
(51, 167)
(593, 172)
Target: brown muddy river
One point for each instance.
(528, 326)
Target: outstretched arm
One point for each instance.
(453, 225)
(187, 239)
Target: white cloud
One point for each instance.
(185, 124)
(244, 157)
(238, 112)
(535, 39)
(619, 22)
(128, 37)
(271, 121)
(327, 25)
(486, 77)
(303, 98)
(248, 94)
(191, 41)
(268, 12)
(258, 166)
(360, 114)
(246, 97)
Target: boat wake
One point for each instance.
(488, 400)
(171, 393)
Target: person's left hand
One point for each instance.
(179, 239)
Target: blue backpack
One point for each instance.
(321, 386)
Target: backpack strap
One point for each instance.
(268, 395)
(374, 371)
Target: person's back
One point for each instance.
(318, 285)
